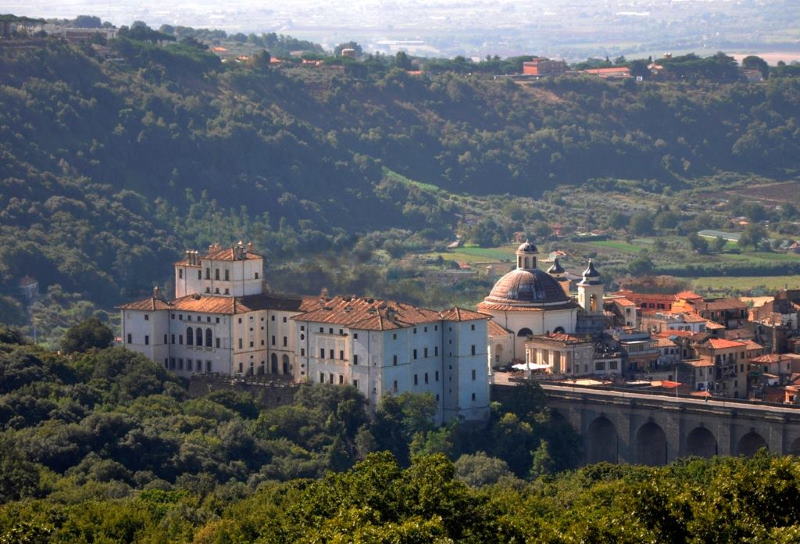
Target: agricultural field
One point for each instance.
(744, 284)
(771, 193)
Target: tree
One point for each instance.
(752, 235)
(479, 469)
(542, 463)
(402, 60)
(88, 334)
(641, 224)
(753, 62)
(261, 60)
(698, 243)
(337, 51)
(641, 266)
(718, 244)
(618, 220)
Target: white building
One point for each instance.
(223, 321)
(527, 302)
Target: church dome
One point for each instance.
(527, 247)
(556, 268)
(522, 287)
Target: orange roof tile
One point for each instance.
(369, 314)
(487, 306)
(721, 343)
(497, 330)
(149, 304)
(460, 314)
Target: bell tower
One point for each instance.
(590, 290)
(526, 256)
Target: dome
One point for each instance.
(591, 271)
(556, 268)
(527, 247)
(527, 288)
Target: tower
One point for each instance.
(558, 273)
(526, 256)
(590, 290)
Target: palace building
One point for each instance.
(224, 321)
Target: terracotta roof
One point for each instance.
(486, 306)
(497, 330)
(622, 301)
(722, 304)
(559, 337)
(369, 314)
(750, 345)
(714, 325)
(769, 358)
(670, 332)
(721, 343)
(460, 314)
(614, 70)
(218, 253)
(688, 295)
(664, 342)
(700, 363)
(149, 304)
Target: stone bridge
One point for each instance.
(629, 427)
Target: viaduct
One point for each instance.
(629, 427)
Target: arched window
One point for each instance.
(525, 332)
(558, 330)
(274, 364)
(189, 336)
(285, 364)
(199, 336)
(209, 338)
(593, 303)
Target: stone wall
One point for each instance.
(269, 391)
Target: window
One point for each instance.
(180, 316)
(180, 364)
(216, 342)
(472, 349)
(180, 339)
(322, 330)
(425, 329)
(355, 359)
(415, 354)
(227, 291)
(189, 336)
(415, 330)
(240, 320)
(130, 338)
(341, 354)
(172, 316)
(394, 360)
(208, 366)
(217, 320)
(600, 365)
(341, 379)
(302, 352)
(188, 364)
(331, 354)
(285, 341)
(394, 386)
(355, 336)
(216, 273)
(436, 327)
(284, 319)
(180, 273)
(251, 343)
(165, 338)
(426, 377)
(209, 336)
(240, 368)
(473, 396)
(436, 351)
(416, 380)
(472, 327)
(256, 276)
(240, 343)
(425, 351)
(199, 336)
(321, 353)
(172, 363)
(394, 337)
(355, 384)
(330, 378)
(208, 273)
(227, 275)
(147, 317)
(273, 340)
(474, 374)
(437, 375)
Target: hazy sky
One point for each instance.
(473, 27)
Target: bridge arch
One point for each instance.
(750, 443)
(651, 444)
(602, 441)
(794, 447)
(701, 442)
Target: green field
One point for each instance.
(745, 283)
(473, 255)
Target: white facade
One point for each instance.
(445, 358)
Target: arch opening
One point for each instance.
(273, 363)
(602, 441)
(750, 443)
(651, 445)
(525, 332)
(285, 364)
(701, 442)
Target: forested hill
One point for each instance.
(111, 164)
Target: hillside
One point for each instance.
(111, 166)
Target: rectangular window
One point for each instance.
(355, 336)
(273, 340)
(180, 364)
(227, 275)
(426, 377)
(285, 341)
(437, 375)
(472, 349)
(425, 329)
(240, 343)
(302, 352)
(256, 276)
(415, 354)
(208, 273)
(330, 352)
(165, 338)
(188, 364)
(147, 317)
(217, 340)
(330, 378)
(180, 273)
(416, 380)
(216, 273)
(172, 363)
(394, 360)
(321, 330)
(180, 339)
(208, 366)
(130, 338)
(473, 396)
(321, 353)
(355, 359)
(321, 377)
(341, 354)
(394, 337)
(199, 275)
(426, 352)
(341, 379)
(394, 386)
(355, 384)
(474, 374)
(436, 351)
(251, 343)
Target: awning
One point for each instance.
(529, 366)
